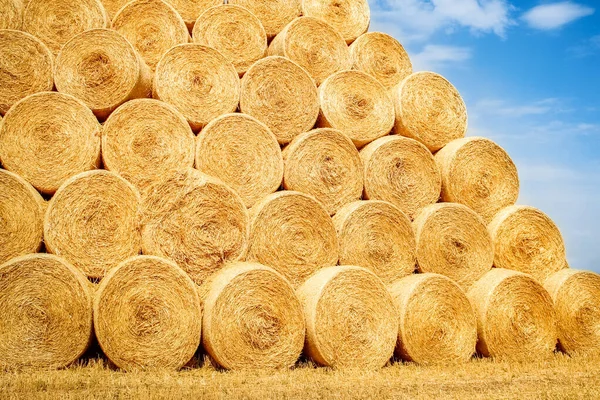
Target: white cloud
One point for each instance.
(504, 108)
(434, 57)
(556, 15)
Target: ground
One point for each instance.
(558, 378)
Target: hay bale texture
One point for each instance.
(378, 236)
(199, 81)
(21, 217)
(147, 315)
(11, 16)
(273, 14)
(351, 319)
(437, 323)
(478, 173)
(349, 17)
(314, 45)
(194, 220)
(145, 139)
(45, 312)
(281, 94)
(292, 233)
(324, 164)
(152, 27)
(252, 319)
(401, 171)
(452, 240)
(243, 153)
(26, 65)
(515, 316)
(527, 240)
(102, 68)
(47, 138)
(357, 104)
(233, 31)
(92, 221)
(576, 296)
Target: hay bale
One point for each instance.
(429, 109)
(195, 220)
(147, 315)
(273, 14)
(48, 137)
(233, 31)
(21, 217)
(576, 296)
(351, 319)
(200, 82)
(351, 18)
(145, 139)
(152, 27)
(11, 15)
(45, 313)
(92, 221)
(252, 319)
(478, 173)
(26, 65)
(452, 240)
(56, 22)
(381, 56)
(243, 153)
(378, 236)
(515, 316)
(314, 45)
(292, 233)
(102, 68)
(356, 104)
(437, 322)
(401, 171)
(281, 94)
(527, 240)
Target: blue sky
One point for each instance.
(529, 72)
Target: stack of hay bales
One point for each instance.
(258, 179)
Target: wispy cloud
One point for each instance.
(555, 15)
(434, 57)
(587, 47)
(508, 109)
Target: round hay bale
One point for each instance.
(515, 316)
(195, 220)
(102, 68)
(92, 221)
(350, 18)
(429, 109)
(252, 319)
(45, 313)
(56, 22)
(357, 104)
(351, 319)
(152, 27)
(11, 16)
(324, 164)
(527, 240)
(273, 14)
(381, 56)
(437, 322)
(292, 233)
(200, 82)
(145, 139)
(452, 240)
(233, 31)
(147, 315)
(576, 296)
(243, 153)
(401, 171)
(281, 94)
(26, 65)
(21, 217)
(478, 173)
(47, 138)
(314, 45)
(378, 236)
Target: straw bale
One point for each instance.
(350, 18)
(273, 14)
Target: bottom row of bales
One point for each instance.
(147, 313)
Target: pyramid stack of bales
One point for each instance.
(258, 181)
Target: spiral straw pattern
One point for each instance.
(273, 14)
(11, 16)
(350, 18)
